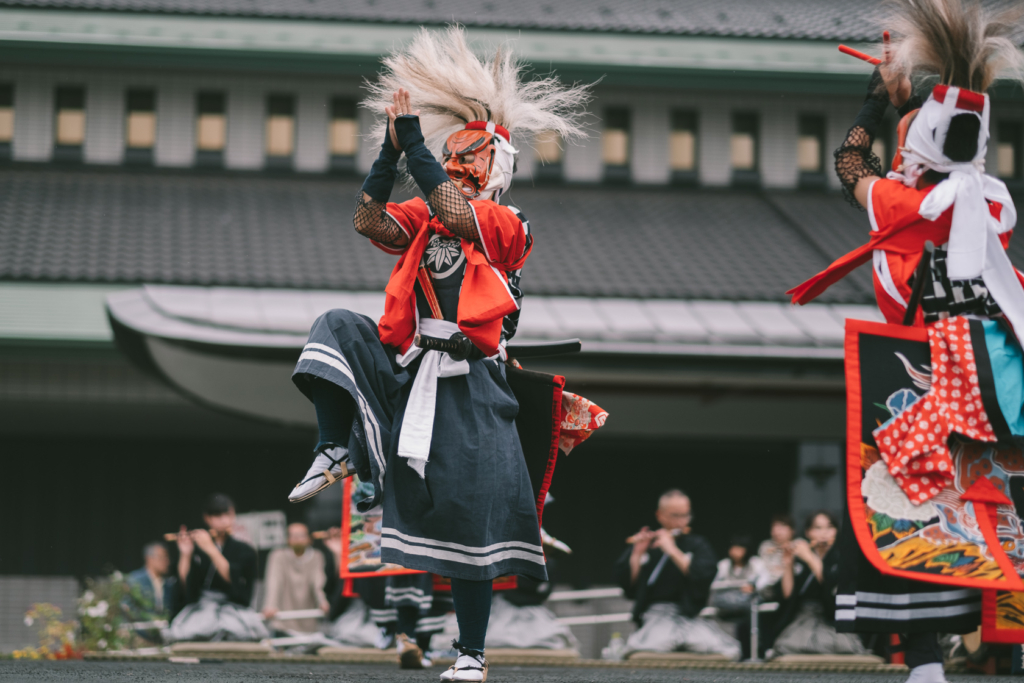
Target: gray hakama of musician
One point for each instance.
(472, 515)
(215, 618)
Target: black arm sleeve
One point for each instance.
(371, 218)
(622, 577)
(703, 565)
(448, 203)
(243, 573)
(854, 158)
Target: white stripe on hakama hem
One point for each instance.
(910, 614)
(346, 370)
(394, 596)
(478, 550)
(339, 363)
(437, 554)
(425, 625)
(907, 598)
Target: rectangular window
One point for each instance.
(743, 148)
(682, 146)
(6, 119)
(549, 151)
(615, 144)
(69, 124)
(344, 134)
(810, 150)
(140, 126)
(1008, 150)
(743, 142)
(211, 129)
(280, 131)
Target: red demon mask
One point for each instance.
(469, 156)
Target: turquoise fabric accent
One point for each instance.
(1007, 361)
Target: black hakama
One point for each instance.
(472, 515)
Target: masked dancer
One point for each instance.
(435, 435)
(972, 303)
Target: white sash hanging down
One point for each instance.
(418, 423)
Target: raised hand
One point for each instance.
(642, 540)
(401, 106)
(665, 541)
(185, 544)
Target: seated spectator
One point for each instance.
(807, 620)
(329, 544)
(154, 591)
(667, 573)
(217, 573)
(733, 589)
(295, 579)
(771, 553)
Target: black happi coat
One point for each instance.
(688, 591)
(203, 576)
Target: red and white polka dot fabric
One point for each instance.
(913, 445)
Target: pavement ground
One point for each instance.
(286, 672)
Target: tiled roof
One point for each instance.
(294, 232)
(801, 19)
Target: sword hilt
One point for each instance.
(458, 346)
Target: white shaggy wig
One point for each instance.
(452, 86)
(963, 42)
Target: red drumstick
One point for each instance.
(859, 55)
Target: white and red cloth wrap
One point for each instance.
(974, 249)
(504, 165)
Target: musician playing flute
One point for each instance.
(436, 436)
(218, 575)
(668, 574)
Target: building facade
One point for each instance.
(208, 160)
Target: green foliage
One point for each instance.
(106, 610)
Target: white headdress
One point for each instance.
(452, 87)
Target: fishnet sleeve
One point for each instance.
(855, 160)
(371, 220)
(454, 211)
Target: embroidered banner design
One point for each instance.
(968, 534)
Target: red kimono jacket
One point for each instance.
(898, 234)
(485, 299)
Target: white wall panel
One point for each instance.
(311, 120)
(246, 114)
(649, 153)
(175, 124)
(582, 162)
(104, 122)
(369, 146)
(526, 162)
(33, 117)
(715, 128)
(779, 128)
